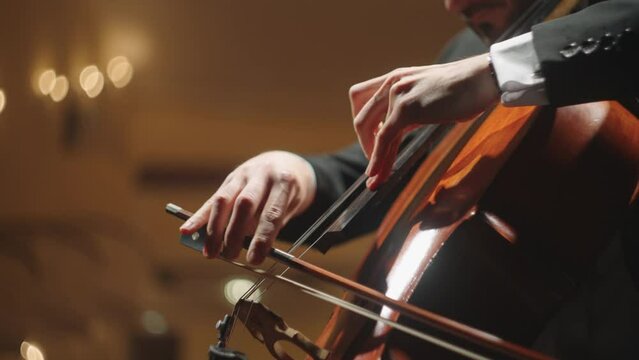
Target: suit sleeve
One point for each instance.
(591, 55)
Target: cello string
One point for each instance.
(533, 10)
(364, 312)
(480, 338)
(349, 195)
(419, 140)
(251, 291)
(416, 148)
(536, 8)
(454, 329)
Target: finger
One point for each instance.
(245, 213)
(271, 219)
(359, 94)
(221, 205)
(392, 128)
(372, 115)
(386, 141)
(386, 167)
(197, 220)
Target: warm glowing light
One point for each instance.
(115, 62)
(120, 71)
(85, 74)
(235, 288)
(46, 82)
(3, 100)
(60, 88)
(91, 81)
(33, 353)
(24, 347)
(95, 83)
(154, 322)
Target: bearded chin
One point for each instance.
(486, 32)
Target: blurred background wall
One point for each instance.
(173, 94)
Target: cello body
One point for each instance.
(504, 234)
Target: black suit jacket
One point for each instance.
(592, 54)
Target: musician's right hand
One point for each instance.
(257, 198)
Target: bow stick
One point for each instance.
(433, 320)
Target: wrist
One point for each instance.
(487, 86)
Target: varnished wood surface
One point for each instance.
(559, 179)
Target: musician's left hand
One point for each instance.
(387, 107)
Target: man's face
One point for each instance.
(490, 18)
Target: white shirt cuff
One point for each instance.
(518, 72)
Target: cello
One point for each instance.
(494, 230)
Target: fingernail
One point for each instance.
(371, 183)
(187, 225)
(205, 252)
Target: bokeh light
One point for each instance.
(24, 347)
(60, 88)
(85, 74)
(235, 288)
(31, 352)
(3, 100)
(91, 81)
(46, 81)
(120, 71)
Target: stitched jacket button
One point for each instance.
(571, 50)
(589, 46)
(607, 41)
